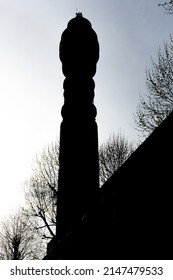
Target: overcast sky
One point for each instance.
(31, 93)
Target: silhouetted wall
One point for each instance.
(137, 200)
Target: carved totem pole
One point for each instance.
(79, 164)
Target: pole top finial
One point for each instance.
(79, 14)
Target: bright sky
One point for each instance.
(31, 93)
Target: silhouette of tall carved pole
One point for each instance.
(79, 165)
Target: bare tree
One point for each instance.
(112, 155)
(18, 240)
(41, 191)
(155, 106)
(168, 6)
